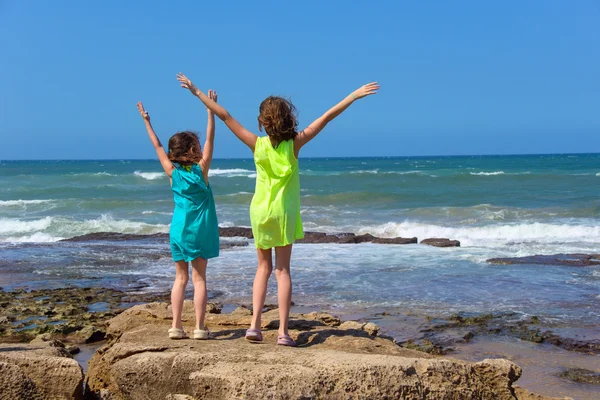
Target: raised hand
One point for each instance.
(143, 112)
(212, 94)
(186, 83)
(365, 90)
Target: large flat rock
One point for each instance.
(331, 362)
(39, 371)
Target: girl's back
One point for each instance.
(275, 208)
(194, 227)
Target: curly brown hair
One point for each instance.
(278, 117)
(184, 148)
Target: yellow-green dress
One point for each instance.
(275, 207)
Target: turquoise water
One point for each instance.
(496, 206)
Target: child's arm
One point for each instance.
(317, 126)
(160, 151)
(243, 134)
(207, 152)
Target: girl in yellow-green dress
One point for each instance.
(275, 208)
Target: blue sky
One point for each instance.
(466, 77)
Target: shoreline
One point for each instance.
(79, 316)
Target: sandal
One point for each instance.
(176, 333)
(201, 334)
(254, 335)
(285, 340)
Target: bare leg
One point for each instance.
(259, 289)
(178, 291)
(200, 295)
(283, 256)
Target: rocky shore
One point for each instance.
(568, 260)
(334, 360)
(242, 232)
(64, 319)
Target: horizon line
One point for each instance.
(317, 157)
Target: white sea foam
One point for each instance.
(150, 175)
(37, 237)
(51, 229)
(494, 235)
(233, 172)
(20, 203)
(12, 226)
(365, 171)
(598, 174)
(487, 173)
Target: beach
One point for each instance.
(443, 300)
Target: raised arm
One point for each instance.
(207, 151)
(242, 133)
(317, 126)
(160, 151)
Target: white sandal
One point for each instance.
(200, 334)
(176, 333)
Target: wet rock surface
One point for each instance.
(572, 260)
(332, 361)
(441, 242)
(581, 375)
(242, 232)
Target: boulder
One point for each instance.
(441, 242)
(140, 362)
(42, 370)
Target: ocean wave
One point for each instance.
(487, 173)
(151, 176)
(12, 226)
(598, 174)
(51, 229)
(367, 171)
(21, 203)
(229, 173)
(491, 235)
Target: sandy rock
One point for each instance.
(371, 328)
(524, 394)
(241, 310)
(43, 371)
(329, 363)
(15, 384)
(352, 325)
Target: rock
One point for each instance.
(41, 371)
(4, 320)
(213, 308)
(524, 394)
(238, 231)
(143, 363)
(241, 310)
(581, 375)
(15, 384)
(371, 328)
(570, 260)
(396, 240)
(349, 325)
(114, 236)
(441, 242)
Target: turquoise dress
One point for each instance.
(194, 228)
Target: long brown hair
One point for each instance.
(278, 117)
(184, 148)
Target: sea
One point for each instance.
(496, 206)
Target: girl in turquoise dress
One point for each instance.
(194, 234)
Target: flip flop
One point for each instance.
(285, 340)
(176, 333)
(254, 335)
